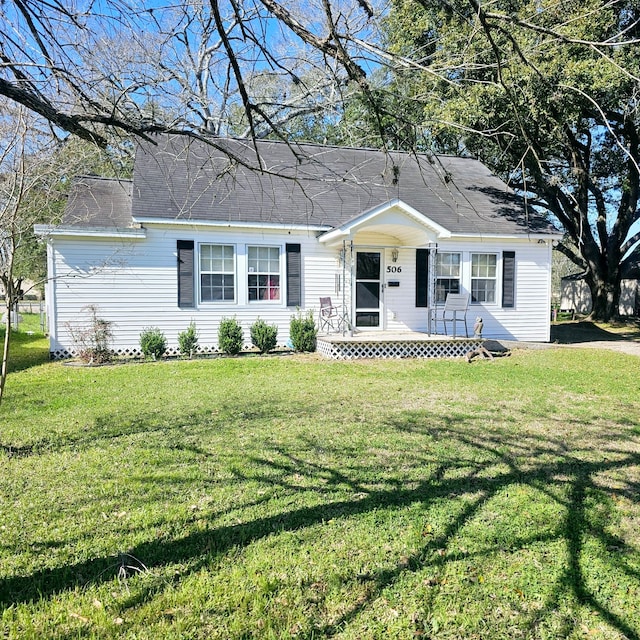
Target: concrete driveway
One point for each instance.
(624, 338)
(622, 346)
(586, 335)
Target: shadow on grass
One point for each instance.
(16, 451)
(544, 464)
(154, 423)
(584, 331)
(581, 475)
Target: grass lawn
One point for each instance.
(293, 497)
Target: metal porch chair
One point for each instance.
(331, 317)
(455, 310)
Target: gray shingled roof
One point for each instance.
(325, 186)
(185, 178)
(98, 203)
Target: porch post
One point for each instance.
(344, 282)
(431, 290)
(347, 309)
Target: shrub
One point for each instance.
(188, 340)
(153, 343)
(264, 336)
(230, 337)
(94, 339)
(303, 332)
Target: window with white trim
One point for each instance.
(263, 278)
(217, 273)
(447, 275)
(484, 267)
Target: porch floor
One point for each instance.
(394, 344)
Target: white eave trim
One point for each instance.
(550, 236)
(46, 230)
(231, 224)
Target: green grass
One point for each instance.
(292, 497)
(29, 346)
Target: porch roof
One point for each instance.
(395, 220)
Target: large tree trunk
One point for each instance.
(605, 297)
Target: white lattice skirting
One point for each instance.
(453, 348)
(345, 350)
(132, 352)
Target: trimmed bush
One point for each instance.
(230, 336)
(153, 343)
(264, 336)
(303, 332)
(188, 340)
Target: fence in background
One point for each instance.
(26, 306)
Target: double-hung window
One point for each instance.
(447, 275)
(263, 278)
(483, 277)
(217, 273)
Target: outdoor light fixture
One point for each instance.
(394, 255)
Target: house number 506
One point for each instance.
(393, 269)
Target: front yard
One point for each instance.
(293, 497)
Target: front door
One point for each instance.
(368, 289)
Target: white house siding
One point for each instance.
(400, 308)
(529, 319)
(322, 276)
(133, 283)
(575, 295)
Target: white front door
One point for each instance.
(368, 311)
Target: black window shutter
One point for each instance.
(508, 278)
(294, 275)
(186, 289)
(422, 276)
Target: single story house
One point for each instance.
(223, 228)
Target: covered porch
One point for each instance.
(385, 281)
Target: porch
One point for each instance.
(388, 344)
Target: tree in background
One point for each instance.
(192, 67)
(16, 182)
(546, 94)
(35, 173)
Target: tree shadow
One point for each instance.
(581, 475)
(110, 427)
(16, 451)
(510, 206)
(481, 462)
(583, 331)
